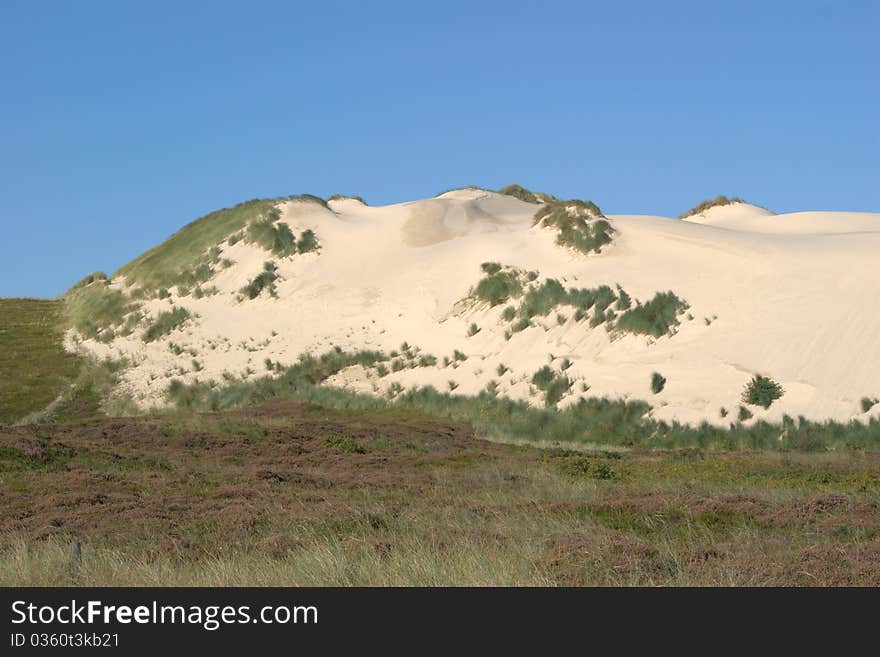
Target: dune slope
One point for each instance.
(786, 296)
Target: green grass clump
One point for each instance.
(165, 323)
(657, 317)
(272, 236)
(762, 391)
(702, 206)
(868, 403)
(265, 280)
(580, 224)
(307, 241)
(553, 384)
(186, 250)
(658, 382)
(498, 285)
(34, 365)
(294, 382)
(520, 192)
(309, 198)
(342, 197)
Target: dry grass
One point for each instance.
(266, 496)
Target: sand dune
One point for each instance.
(788, 296)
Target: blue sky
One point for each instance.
(122, 121)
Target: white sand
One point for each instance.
(793, 297)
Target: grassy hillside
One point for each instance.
(34, 368)
(296, 493)
(180, 256)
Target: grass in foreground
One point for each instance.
(291, 493)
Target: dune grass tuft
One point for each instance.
(165, 323)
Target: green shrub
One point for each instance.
(508, 314)
(744, 414)
(165, 323)
(473, 329)
(657, 317)
(502, 369)
(624, 301)
(498, 285)
(307, 241)
(658, 382)
(277, 238)
(552, 384)
(868, 403)
(580, 224)
(263, 281)
(458, 355)
(762, 391)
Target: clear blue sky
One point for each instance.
(122, 121)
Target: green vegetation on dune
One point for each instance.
(34, 367)
(762, 391)
(272, 235)
(658, 382)
(587, 420)
(499, 284)
(343, 197)
(265, 280)
(657, 317)
(309, 198)
(96, 310)
(702, 206)
(553, 384)
(520, 192)
(580, 224)
(165, 323)
(186, 250)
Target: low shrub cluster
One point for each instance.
(553, 384)
(657, 317)
(580, 224)
(265, 280)
(278, 238)
(762, 391)
(499, 284)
